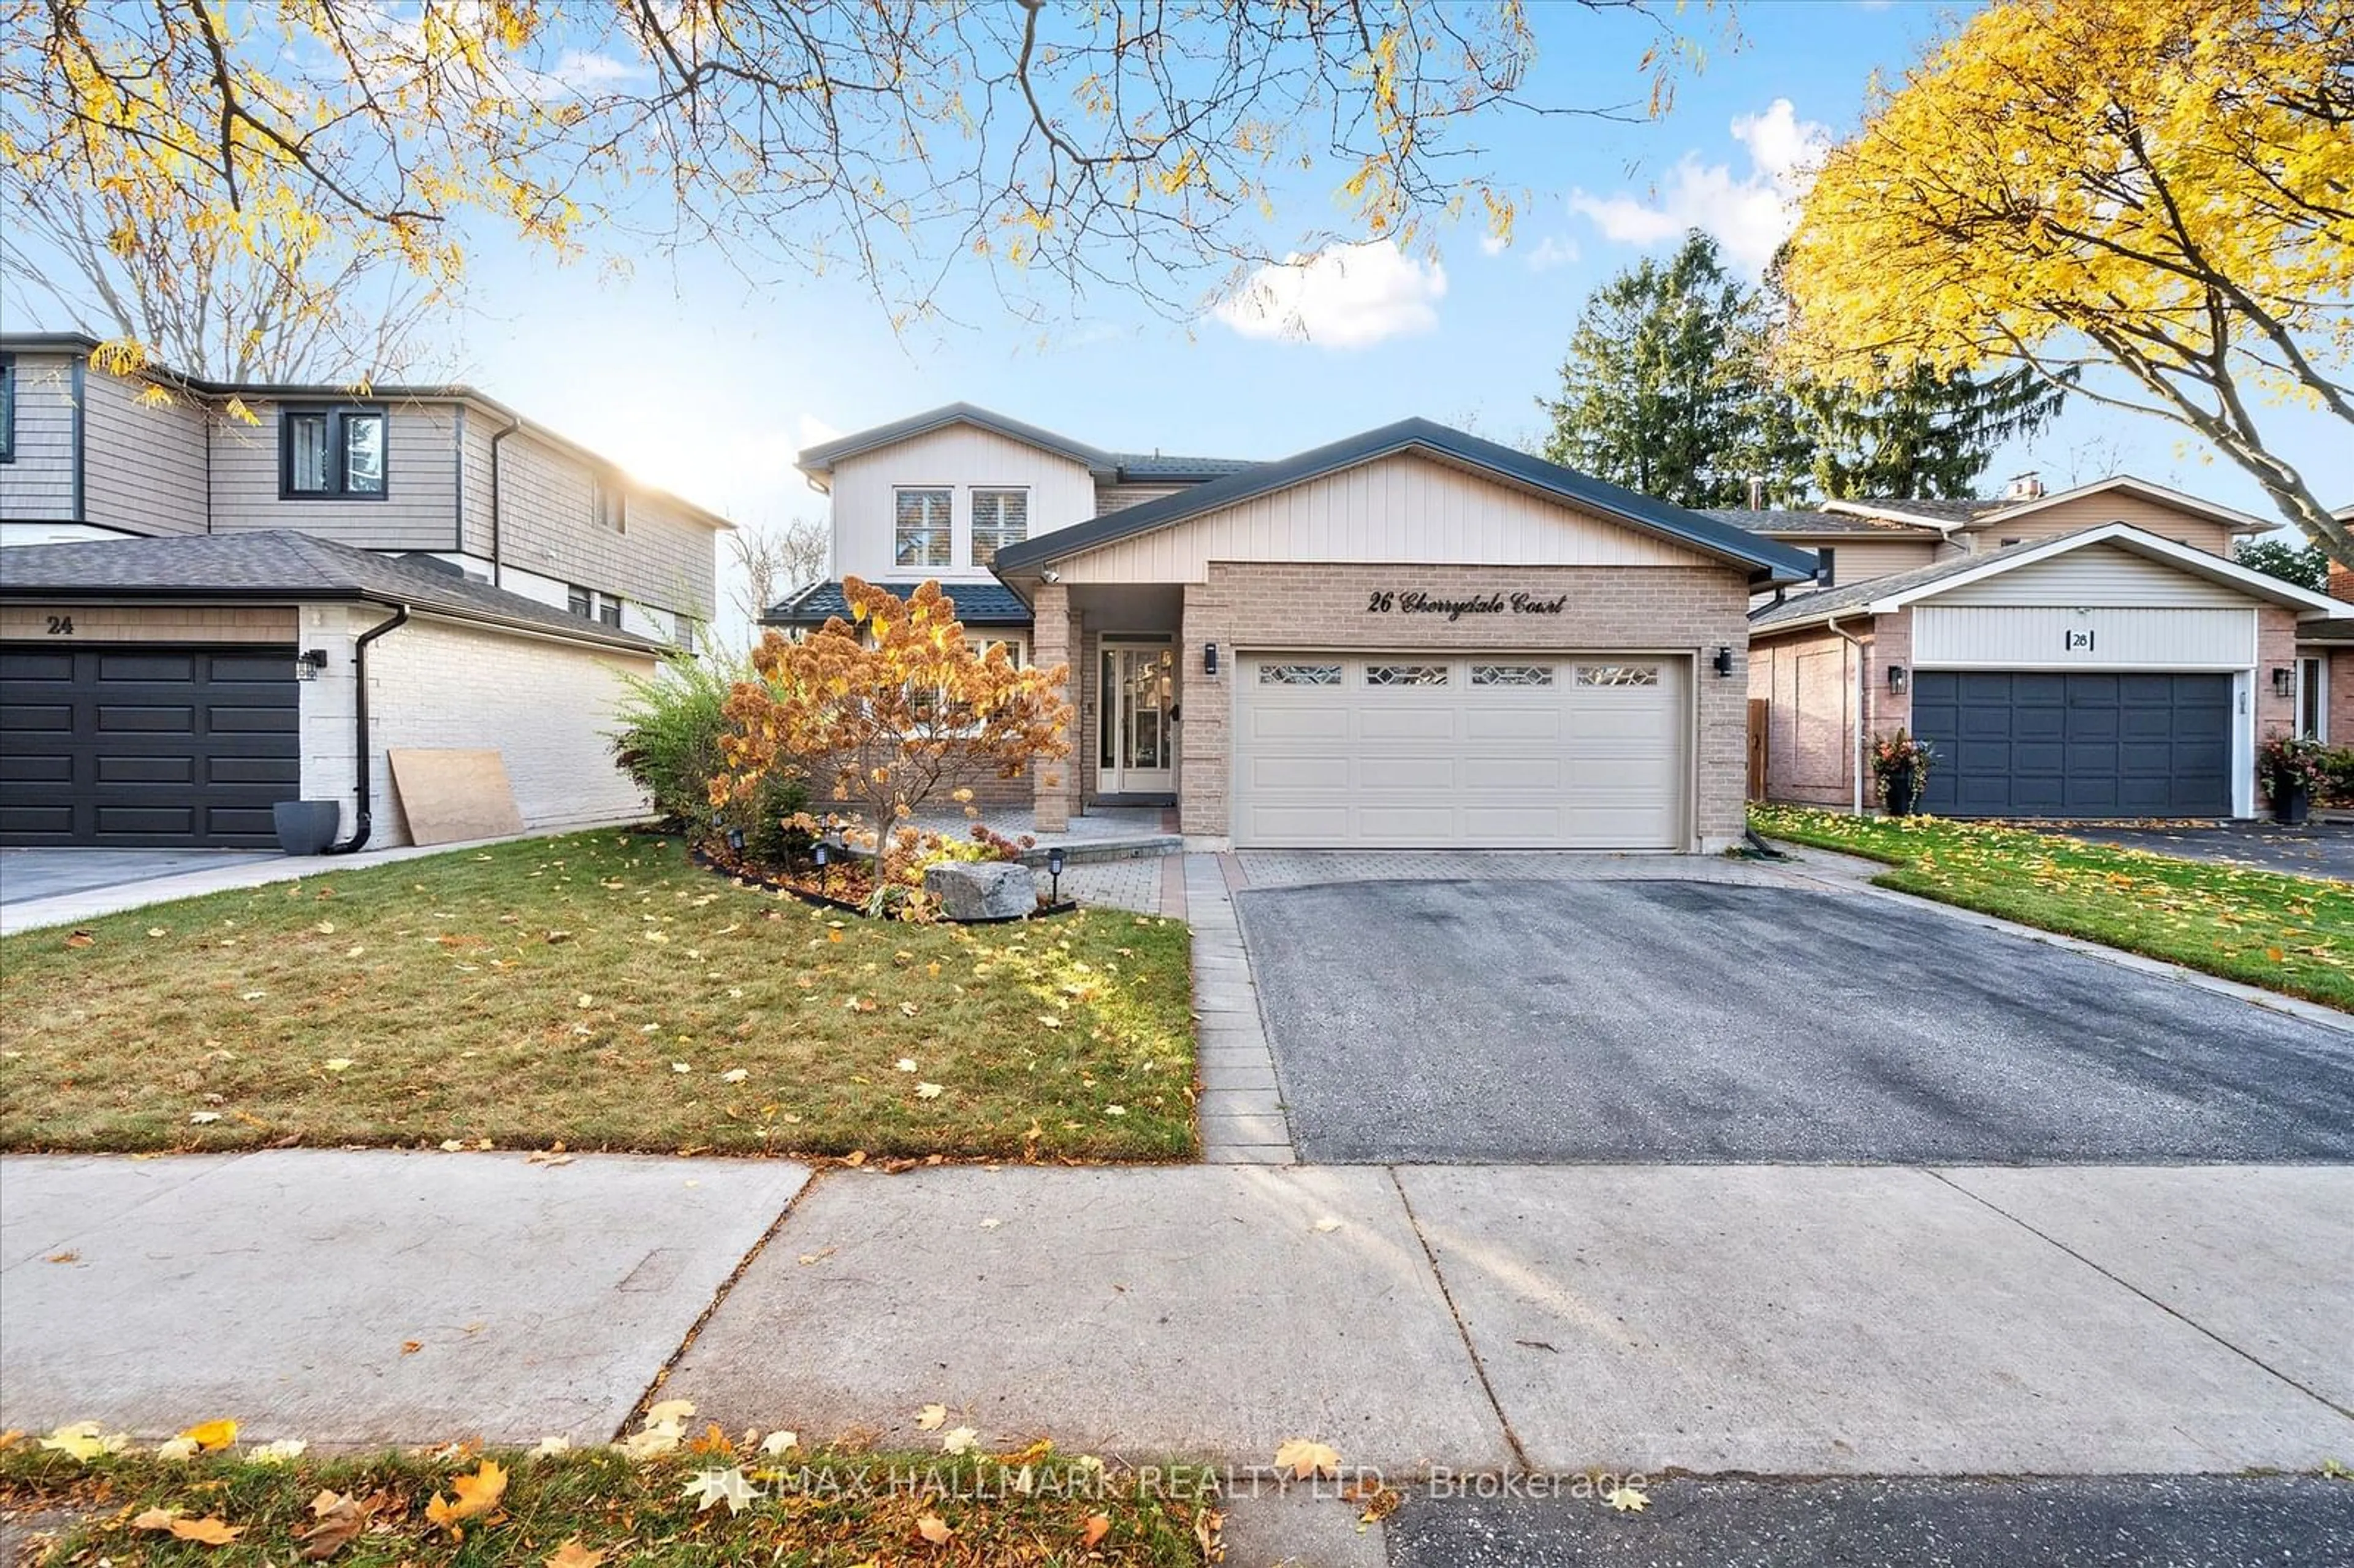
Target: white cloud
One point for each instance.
(1492, 244)
(1346, 296)
(816, 433)
(1551, 252)
(1749, 214)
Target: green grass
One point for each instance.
(545, 992)
(2289, 934)
(633, 1512)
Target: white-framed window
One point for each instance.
(920, 529)
(2313, 698)
(609, 504)
(1000, 517)
(1017, 647)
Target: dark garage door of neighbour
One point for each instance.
(2019, 744)
(141, 747)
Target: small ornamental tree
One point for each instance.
(887, 710)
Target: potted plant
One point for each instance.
(1900, 766)
(2294, 770)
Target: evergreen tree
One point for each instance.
(1653, 395)
(1672, 387)
(2284, 557)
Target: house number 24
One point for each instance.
(60, 625)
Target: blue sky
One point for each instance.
(703, 384)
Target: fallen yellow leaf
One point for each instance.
(212, 1436)
(476, 1494)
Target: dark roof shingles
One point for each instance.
(977, 604)
(281, 563)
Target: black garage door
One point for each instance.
(2019, 744)
(137, 747)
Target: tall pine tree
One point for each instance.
(1670, 387)
(1655, 394)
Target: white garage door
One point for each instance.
(1499, 751)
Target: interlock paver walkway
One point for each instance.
(1240, 1110)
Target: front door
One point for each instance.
(1136, 741)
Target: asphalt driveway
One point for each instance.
(1669, 1021)
(2317, 849)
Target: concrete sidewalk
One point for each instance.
(1776, 1320)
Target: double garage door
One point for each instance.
(2064, 745)
(144, 747)
(1488, 751)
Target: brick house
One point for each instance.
(2094, 654)
(198, 578)
(1410, 637)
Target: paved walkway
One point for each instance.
(61, 897)
(1774, 1320)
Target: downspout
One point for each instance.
(496, 442)
(1862, 707)
(362, 819)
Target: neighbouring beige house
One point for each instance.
(1409, 637)
(215, 598)
(2091, 653)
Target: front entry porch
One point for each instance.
(1123, 645)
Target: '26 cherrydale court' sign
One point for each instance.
(1415, 602)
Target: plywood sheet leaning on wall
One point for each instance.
(448, 795)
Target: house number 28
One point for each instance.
(60, 625)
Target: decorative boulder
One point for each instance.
(982, 890)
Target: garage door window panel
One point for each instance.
(1512, 674)
(1406, 674)
(1604, 675)
(1300, 674)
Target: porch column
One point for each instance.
(1054, 639)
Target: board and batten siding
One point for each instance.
(958, 458)
(419, 508)
(2110, 506)
(144, 463)
(2026, 637)
(39, 486)
(1403, 509)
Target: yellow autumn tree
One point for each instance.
(1126, 144)
(889, 709)
(2149, 187)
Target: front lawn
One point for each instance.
(598, 991)
(2284, 933)
(598, 1506)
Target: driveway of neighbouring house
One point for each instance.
(30, 874)
(1689, 1021)
(2317, 849)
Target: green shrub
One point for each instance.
(2338, 776)
(669, 742)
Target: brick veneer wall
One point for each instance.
(543, 706)
(1056, 634)
(1265, 606)
(2341, 696)
(2275, 649)
(1809, 679)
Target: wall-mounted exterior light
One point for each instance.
(309, 663)
(2284, 681)
(1724, 661)
(1900, 680)
(1209, 658)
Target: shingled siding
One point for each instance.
(419, 508)
(1257, 607)
(39, 486)
(143, 462)
(547, 526)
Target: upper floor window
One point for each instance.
(336, 454)
(1825, 565)
(1000, 517)
(7, 407)
(580, 601)
(919, 536)
(609, 609)
(609, 504)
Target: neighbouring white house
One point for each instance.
(217, 597)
